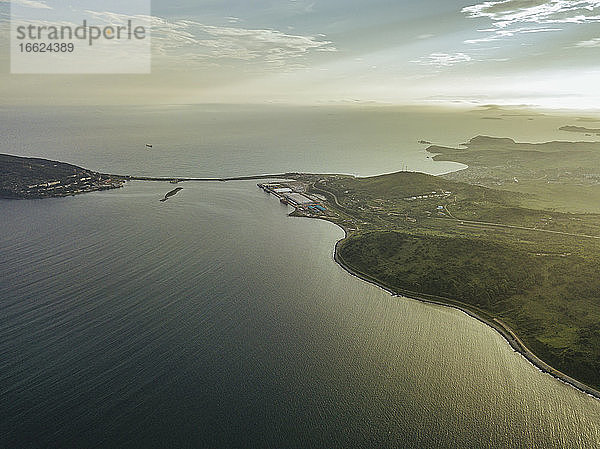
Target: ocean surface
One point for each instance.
(214, 320)
(247, 140)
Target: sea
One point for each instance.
(215, 320)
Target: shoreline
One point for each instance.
(504, 330)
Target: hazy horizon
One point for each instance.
(538, 53)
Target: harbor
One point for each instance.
(293, 193)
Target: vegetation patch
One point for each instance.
(551, 301)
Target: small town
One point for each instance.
(73, 185)
(41, 178)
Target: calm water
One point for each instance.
(215, 320)
(244, 140)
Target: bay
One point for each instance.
(215, 320)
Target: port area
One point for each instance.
(294, 193)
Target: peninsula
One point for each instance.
(28, 178)
(512, 240)
(530, 274)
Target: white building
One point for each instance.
(298, 199)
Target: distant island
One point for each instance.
(579, 129)
(29, 178)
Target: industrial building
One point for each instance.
(297, 199)
(287, 195)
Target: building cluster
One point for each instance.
(440, 194)
(24, 177)
(71, 185)
(299, 200)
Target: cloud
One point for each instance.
(511, 17)
(193, 41)
(443, 59)
(501, 34)
(592, 43)
(28, 3)
(508, 12)
(224, 42)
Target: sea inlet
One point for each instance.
(216, 320)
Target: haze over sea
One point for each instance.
(215, 320)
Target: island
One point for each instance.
(171, 193)
(579, 129)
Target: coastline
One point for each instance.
(504, 330)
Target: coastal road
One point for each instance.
(519, 346)
(327, 192)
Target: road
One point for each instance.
(327, 192)
(523, 228)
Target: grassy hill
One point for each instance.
(552, 301)
(534, 269)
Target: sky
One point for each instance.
(543, 53)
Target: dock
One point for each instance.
(294, 194)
